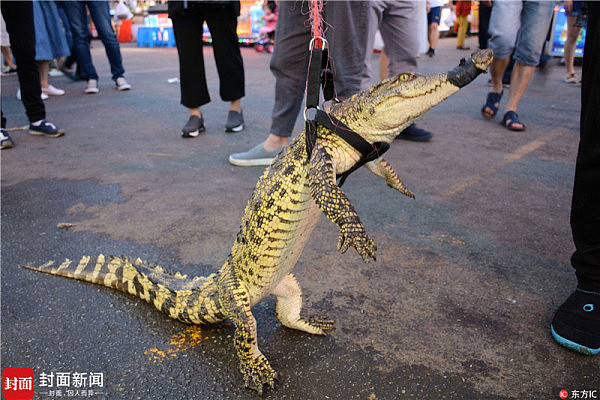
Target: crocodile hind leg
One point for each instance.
(381, 168)
(289, 304)
(235, 303)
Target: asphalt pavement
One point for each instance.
(457, 306)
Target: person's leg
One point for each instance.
(399, 32)
(347, 36)
(519, 80)
(503, 30)
(78, 20)
(383, 65)
(100, 13)
(399, 29)
(19, 24)
(8, 56)
(375, 15)
(484, 24)
(188, 37)
(570, 43)
(194, 90)
(44, 68)
(535, 20)
(576, 324)
(585, 215)
(463, 24)
(288, 65)
(230, 65)
(433, 31)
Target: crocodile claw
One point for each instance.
(356, 236)
(323, 323)
(258, 372)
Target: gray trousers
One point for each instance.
(346, 28)
(397, 23)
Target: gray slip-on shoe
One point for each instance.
(254, 157)
(235, 121)
(193, 127)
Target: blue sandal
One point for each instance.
(491, 105)
(510, 119)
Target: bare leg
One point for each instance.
(236, 105)
(519, 80)
(7, 53)
(496, 71)
(383, 65)
(195, 111)
(44, 67)
(433, 35)
(274, 142)
(570, 43)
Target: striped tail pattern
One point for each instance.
(190, 300)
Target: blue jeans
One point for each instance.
(100, 13)
(521, 26)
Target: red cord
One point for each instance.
(316, 21)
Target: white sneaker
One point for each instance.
(43, 97)
(53, 91)
(122, 84)
(92, 86)
(571, 78)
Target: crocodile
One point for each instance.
(280, 215)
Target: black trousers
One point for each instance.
(585, 211)
(484, 23)
(18, 16)
(230, 66)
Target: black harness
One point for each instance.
(320, 76)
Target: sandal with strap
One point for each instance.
(492, 103)
(510, 120)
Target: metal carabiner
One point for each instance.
(324, 43)
(313, 116)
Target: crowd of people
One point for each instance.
(40, 32)
(514, 30)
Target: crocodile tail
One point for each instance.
(188, 300)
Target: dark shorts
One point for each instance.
(576, 9)
(433, 16)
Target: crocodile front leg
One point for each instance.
(235, 302)
(336, 206)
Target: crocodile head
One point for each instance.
(379, 114)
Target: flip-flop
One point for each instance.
(492, 103)
(510, 119)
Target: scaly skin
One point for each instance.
(279, 218)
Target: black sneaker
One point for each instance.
(576, 324)
(47, 129)
(235, 121)
(193, 127)
(415, 134)
(430, 52)
(5, 141)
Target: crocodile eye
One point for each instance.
(404, 77)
